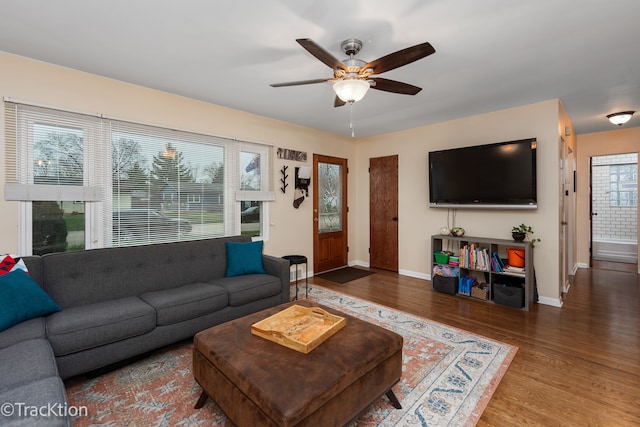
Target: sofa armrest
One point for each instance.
(278, 267)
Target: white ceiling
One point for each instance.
(490, 54)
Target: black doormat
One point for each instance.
(344, 275)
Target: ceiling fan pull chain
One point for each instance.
(351, 123)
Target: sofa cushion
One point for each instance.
(80, 328)
(22, 299)
(45, 393)
(244, 258)
(27, 330)
(250, 287)
(185, 302)
(26, 362)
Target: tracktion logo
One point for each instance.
(51, 410)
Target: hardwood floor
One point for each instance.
(578, 365)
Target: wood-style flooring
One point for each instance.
(578, 365)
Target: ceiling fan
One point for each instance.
(352, 77)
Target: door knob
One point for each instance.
(395, 218)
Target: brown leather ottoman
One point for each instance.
(258, 382)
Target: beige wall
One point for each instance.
(290, 229)
(623, 140)
(417, 222)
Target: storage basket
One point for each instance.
(480, 292)
(448, 285)
(442, 257)
(512, 296)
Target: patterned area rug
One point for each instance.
(449, 375)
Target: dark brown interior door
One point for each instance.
(383, 212)
(329, 213)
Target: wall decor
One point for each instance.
(302, 180)
(283, 180)
(286, 154)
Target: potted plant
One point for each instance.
(521, 232)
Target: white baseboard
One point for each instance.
(582, 265)
(359, 263)
(554, 302)
(415, 274)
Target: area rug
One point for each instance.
(344, 275)
(448, 377)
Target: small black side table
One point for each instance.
(294, 261)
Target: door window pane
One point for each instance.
(329, 197)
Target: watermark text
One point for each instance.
(51, 410)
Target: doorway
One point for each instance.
(383, 213)
(614, 208)
(330, 246)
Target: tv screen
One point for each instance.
(501, 175)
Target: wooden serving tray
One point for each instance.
(299, 328)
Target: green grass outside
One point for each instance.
(74, 222)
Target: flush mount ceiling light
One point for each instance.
(351, 90)
(620, 118)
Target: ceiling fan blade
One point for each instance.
(399, 58)
(301, 82)
(338, 102)
(325, 57)
(394, 86)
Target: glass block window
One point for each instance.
(623, 185)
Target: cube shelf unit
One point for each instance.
(525, 280)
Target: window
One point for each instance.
(623, 185)
(251, 192)
(82, 178)
(330, 197)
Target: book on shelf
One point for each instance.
(474, 257)
(497, 263)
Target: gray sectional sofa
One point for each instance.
(118, 303)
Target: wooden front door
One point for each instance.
(383, 213)
(329, 213)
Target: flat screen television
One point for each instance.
(492, 176)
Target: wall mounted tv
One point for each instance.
(491, 176)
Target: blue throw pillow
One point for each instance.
(244, 258)
(22, 299)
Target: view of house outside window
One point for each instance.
(165, 190)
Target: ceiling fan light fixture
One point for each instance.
(620, 118)
(351, 90)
